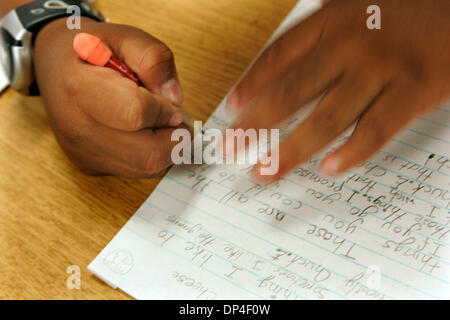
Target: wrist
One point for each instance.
(23, 26)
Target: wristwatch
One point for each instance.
(18, 30)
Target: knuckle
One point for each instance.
(414, 73)
(370, 76)
(80, 161)
(288, 163)
(163, 52)
(155, 55)
(72, 86)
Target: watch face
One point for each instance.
(5, 62)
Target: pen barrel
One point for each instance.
(117, 65)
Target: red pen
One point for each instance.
(93, 50)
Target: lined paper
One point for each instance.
(380, 231)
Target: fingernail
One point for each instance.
(172, 90)
(330, 167)
(176, 119)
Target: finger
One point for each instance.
(304, 82)
(277, 59)
(312, 76)
(118, 103)
(141, 154)
(390, 113)
(339, 109)
(151, 59)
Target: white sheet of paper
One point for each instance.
(381, 231)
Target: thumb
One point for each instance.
(151, 59)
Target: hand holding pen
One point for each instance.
(104, 122)
(91, 49)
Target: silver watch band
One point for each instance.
(20, 57)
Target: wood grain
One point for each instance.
(51, 215)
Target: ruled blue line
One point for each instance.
(428, 136)
(298, 237)
(258, 237)
(167, 212)
(184, 258)
(389, 187)
(434, 122)
(222, 258)
(415, 148)
(400, 191)
(354, 190)
(419, 149)
(443, 109)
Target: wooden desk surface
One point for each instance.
(52, 216)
